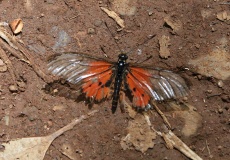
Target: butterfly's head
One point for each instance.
(123, 57)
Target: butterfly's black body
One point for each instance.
(120, 71)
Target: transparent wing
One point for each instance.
(157, 84)
(90, 75)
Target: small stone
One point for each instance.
(55, 91)
(194, 109)
(91, 31)
(213, 29)
(185, 99)
(79, 151)
(197, 46)
(21, 86)
(220, 110)
(219, 147)
(116, 37)
(58, 108)
(209, 91)
(13, 88)
(150, 13)
(220, 83)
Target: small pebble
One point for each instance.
(21, 86)
(219, 147)
(220, 83)
(197, 46)
(13, 88)
(58, 108)
(55, 91)
(116, 37)
(79, 151)
(185, 98)
(91, 31)
(194, 109)
(220, 110)
(150, 13)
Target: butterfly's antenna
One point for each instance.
(145, 41)
(113, 36)
(148, 58)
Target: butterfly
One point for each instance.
(99, 79)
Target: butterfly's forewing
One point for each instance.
(156, 84)
(91, 76)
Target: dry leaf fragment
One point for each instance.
(114, 16)
(16, 26)
(164, 43)
(34, 148)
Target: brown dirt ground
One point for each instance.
(99, 137)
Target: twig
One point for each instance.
(23, 53)
(178, 144)
(13, 52)
(161, 114)
(72, 124)
(114, 16)
(209, 153)
(36, 68)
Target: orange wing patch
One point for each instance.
(94, 87)
(135, 80)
